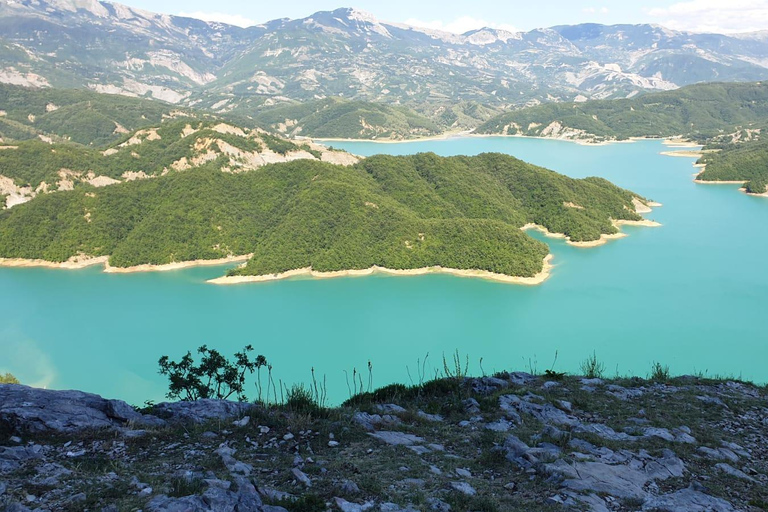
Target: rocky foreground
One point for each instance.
(509, 442)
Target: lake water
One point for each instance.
(691, 294)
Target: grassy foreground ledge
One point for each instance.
(401, 213)
(513, 441)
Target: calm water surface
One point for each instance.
(691, 294)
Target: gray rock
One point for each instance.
(234, 466)
(390, 409)
(26, 409)
(268, 508)
(436, 505)
(12, 457)
(349, 487)
(419, 450)
(689, 500)
(719, 454)
(371, 422)
(3, 488)
(661, 433)
(488, 385)
(465, 473)
(623, 393)
(546, 452)
(242, 422)
(346, 506)
(603, 431)
(201, 411)
(435, 418)
(471, 406)
(300, 476)
(521, 378)
(619, 480)
(397, 438)
(163, 503)
(499, 426)
(735, 448)
(555, 433)
(550, 384)
(545, 413)
(464, 488)
(732, 471)
(275, 495)
(515, 448)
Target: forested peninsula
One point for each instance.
(407, 212)
(745, 163)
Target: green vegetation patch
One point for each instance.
(397, 212)
(746, 161)
(699, 112)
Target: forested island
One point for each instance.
(396, 212)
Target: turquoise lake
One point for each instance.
(691, 294)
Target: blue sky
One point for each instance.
(694, 15)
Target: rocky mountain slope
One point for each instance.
(509, 442)
(729, 112)
(182, 142)
(348, 53)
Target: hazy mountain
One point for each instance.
(349, 54)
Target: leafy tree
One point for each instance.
(214, 377)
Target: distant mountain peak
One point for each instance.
(94, 7)
(357, 15)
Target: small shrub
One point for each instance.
(215, 376)
(8, 379)
(299, 399)
(659, 372)
(553, 375)
(455, 370)
(592, 368)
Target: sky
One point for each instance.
(720, 16)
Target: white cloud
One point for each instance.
(716, 16)
(460, 25)
(230, 19)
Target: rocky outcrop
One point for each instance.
(513, 441)
(25, 410)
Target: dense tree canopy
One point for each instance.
(397, 212)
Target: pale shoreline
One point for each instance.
(308, 272)
(80, 262)
(177, 266)
(71, 264)
(604, 238)
(672, 142)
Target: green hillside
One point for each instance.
(337, 118)
(397, 212)
(699, 112)
(172, 145)
(76, 115)
(746, 162)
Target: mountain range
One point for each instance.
(349, 54)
